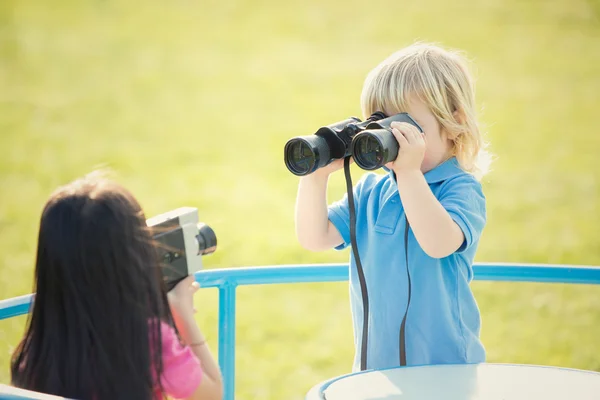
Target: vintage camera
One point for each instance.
(303, 155)
(181, 242)
(376, 145)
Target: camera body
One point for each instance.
(181, 242)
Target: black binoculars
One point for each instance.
(371, 143)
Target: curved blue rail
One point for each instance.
(227, 280)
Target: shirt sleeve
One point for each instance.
(339, 212)
(464, 200)
(182, 372)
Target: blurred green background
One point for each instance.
(191, 102)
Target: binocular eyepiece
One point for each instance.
(371, 143)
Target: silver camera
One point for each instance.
(182, 241)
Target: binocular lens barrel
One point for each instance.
(207, 240)
(374, 148)
(305, 154)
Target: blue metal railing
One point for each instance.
(227, 280)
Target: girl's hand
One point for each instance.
(181, 299)
(412, 147)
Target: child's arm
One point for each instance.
(437, 233)
(314, 230)
(435, 230)
(181, 303)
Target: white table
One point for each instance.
(463, 382)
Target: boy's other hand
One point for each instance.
(412, 147)
(329, 169)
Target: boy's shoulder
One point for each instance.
(462, 181)
(461, 178)
(463, 190)
(450, 176)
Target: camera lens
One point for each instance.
(207, 240)
(303, 155)
(368, 152)
(300, 157)
(372, 149)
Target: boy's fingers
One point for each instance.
(407, 130)
(419, 137)
(402, 141)
(414, 133)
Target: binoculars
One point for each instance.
(371, 143)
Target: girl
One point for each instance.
(102, 326)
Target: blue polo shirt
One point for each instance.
(443, 321)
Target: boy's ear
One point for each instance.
(459, 116)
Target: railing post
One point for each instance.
(227, 338)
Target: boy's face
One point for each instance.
(438, 147)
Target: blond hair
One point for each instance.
(440, 78)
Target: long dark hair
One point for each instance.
(94, 330)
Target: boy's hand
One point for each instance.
(329, 169)
(412, 147)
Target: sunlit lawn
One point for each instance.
(190, 103)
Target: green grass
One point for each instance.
(191, 104)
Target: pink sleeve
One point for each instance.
(181, 368)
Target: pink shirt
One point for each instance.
(182, 372)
